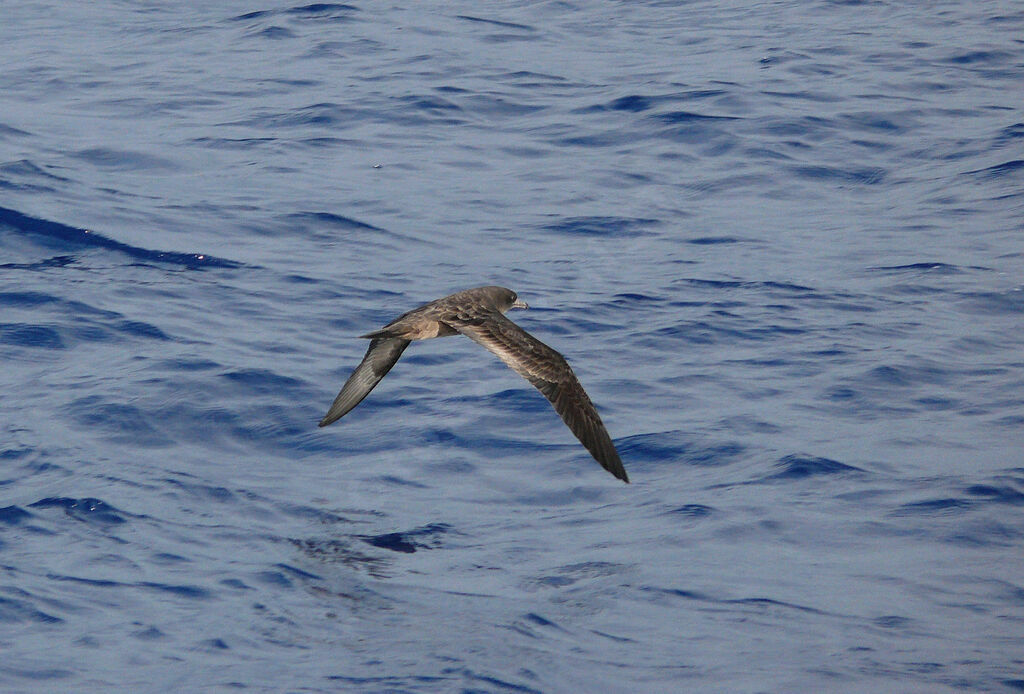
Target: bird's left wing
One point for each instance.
(380, 357)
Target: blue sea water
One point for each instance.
(782, 245)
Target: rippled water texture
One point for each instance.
(780, 243)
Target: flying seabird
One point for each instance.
(479, 315)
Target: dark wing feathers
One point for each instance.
(548, 371)
(380, 357)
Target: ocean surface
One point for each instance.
(781, 243)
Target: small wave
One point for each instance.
(34, 336)
(407, 542)
(1007, 167)
(935, 268)
(88, 509)
(798, 467)
(90, 239)
(14, 611)
(181, 590)
(13, 515)
(321, 8)
(602, 226)
(495, 22)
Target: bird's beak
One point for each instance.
(519, 303)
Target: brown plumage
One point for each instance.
(479, 315)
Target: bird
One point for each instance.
(479, 314)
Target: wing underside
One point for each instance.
(380, 357)
(548, 371)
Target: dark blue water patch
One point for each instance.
(1003, 494)
(1010, 133)
(330, 219)
(150, 633)
(142, 329)
(17, 611)
(275, 33)
(934, 268)
(636, 300)
(13, 515)
(638, 103)
(769, 603)
(8, 131)
(692, 511)
(400, 481)
(240, 143)
(654, 447)
(980, 57)
(298, 573)
(85, 238)
(873, 122)
(669, 447)
(934, 507)
(489, 682)
(523, 399)
(87, 509)
(169, 559)
(678, 593)
(24, 168)
(713, 240)
(999, 170)
(277, 579)
(495, 22)
(798, 467)
(633, 103)
(181, 590)
(32, 336)
(253, 15)
(407, 542)
(892, 621)
(333, 9)
(603, 226)
(906, 375)
(679, 117)
(432, 104)
(541, 621)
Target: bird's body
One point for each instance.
(479, 315)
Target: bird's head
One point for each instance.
(505, 299)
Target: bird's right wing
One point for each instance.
(380, 357)
(548, 371)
